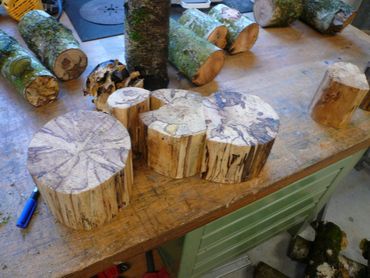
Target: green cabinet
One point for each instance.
(226, 238)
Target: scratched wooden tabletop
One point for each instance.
(284, 68)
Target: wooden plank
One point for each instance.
(284, 69)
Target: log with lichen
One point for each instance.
(242, 32)
(205, 26)
(276, 13)
(327, 16)
(146, 41)
(29, 77)
(193, 56)
(53, 44)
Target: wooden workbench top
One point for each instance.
(284, 69)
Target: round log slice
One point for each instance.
(81, 163)
(241, 130)
(173, 97)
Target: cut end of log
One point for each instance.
(127, 97)
(246, 39)
(42, 90)
(263, 11)
(218, 37)
(81, 163)
(209, 70)
(174, 97)
(349, 75)
(70, 64)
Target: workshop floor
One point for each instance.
(349, 208)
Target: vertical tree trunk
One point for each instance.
(29, 77)
(146, 40)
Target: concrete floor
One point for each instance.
(349, 208)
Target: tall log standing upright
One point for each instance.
(54, 44)
(242, 32)
(327, 16)
(340, 93)
(29, 77)
(81, 163)
(146, 41)
(205, 26)
(195, 57)
(277, 13)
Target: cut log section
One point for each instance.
(241, 130)
(106, 78)
(275, 13)
(327, 16)
(242, 32)
(125, 105)
(29, 77)
(81, 163)
(195, 57)
(205, 26)
(175, 136)
(146, 41)
(173, 97)
(340, 93)
(54, 44)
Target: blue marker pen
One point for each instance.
(28, 210)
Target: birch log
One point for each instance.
(125, 105)
(146, 40)
(81, 163)
(205, 26)
(53, 44)
(241, 130)
(277, 13)
(327, 16)
(195, 57)
(340, 93)
(242, 32)
(175, 135)
(28, 76)
(106, 78)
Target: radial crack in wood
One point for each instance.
(28, 76)
(241, 130)
(175, 134)
(205, 26)
(125, 105)
(54, 44)
(276, 13)
(81, 163)
(340, 93)
(193, 56)
(242, 32)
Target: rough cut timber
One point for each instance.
(276, 13)
(241, 130)
(205, 26)
(173, 97)
(242, 32)
(327, 16)
(365, 104)
(146, 40)
(81, 163)
(53, 44)
(340, 93)
(28, 76)
(195, 57)
(125, 105)
(175, 135)
(106, 78)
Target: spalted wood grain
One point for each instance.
(106, 78)
(205, 26)
(285, 70)
(276, 13)
(340, 93)
(125, 105)
(242, 32)
(81, 163)
(241, 130)
(175, 134)
(173, 97)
